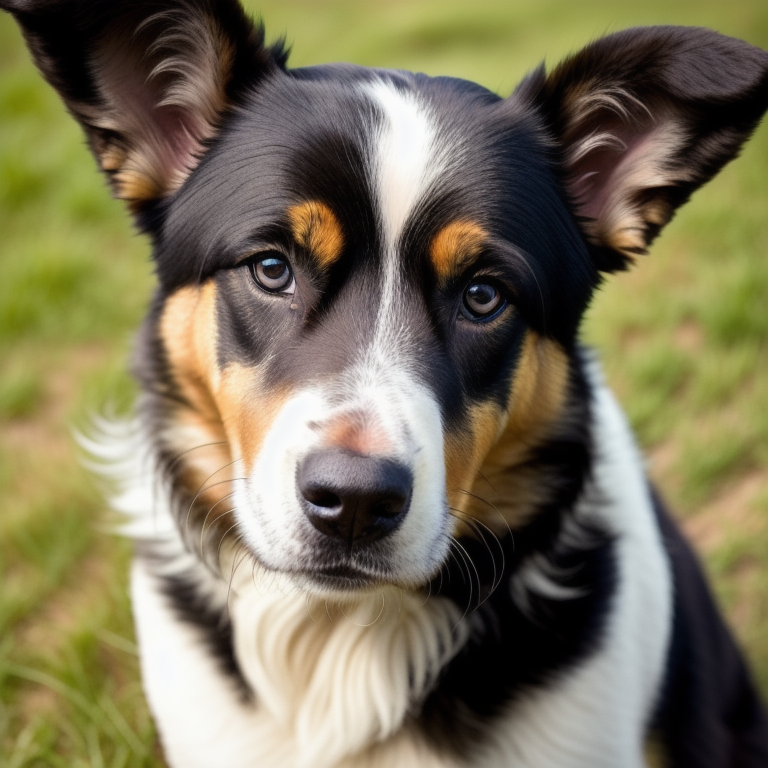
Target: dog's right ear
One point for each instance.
(148, 81)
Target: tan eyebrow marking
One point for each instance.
(315, 227)
(455, 247)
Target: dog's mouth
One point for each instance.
(341, 577)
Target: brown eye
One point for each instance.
(482, 300)
(272, 272)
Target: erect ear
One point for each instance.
(644, 117)
(148, 81)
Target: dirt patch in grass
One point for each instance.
(731, 510)
(67, 609)
(48, 427)
(689, 337)
(50, 629)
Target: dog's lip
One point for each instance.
(340, 576)
(341, 572)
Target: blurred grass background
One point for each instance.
(683, 338)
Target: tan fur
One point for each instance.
(463, 457)
(247, 411)
(455, 247)
(498, 489)
(188, 331)
(315, 228)
(226, 410)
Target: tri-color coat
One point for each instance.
(386, 511)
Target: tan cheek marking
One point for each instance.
(316, 228)
(178, 326)
(455, 247)
(248, 410)
(188, 332)
(539, 387)
(464, 454)
(231, 408)
(503, 489)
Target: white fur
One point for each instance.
(407, 160)
(384, 650)
(285, 643)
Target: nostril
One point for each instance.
(321, 497)
(389, 507)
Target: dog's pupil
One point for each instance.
(274, 272)
(273, 269)
(482, 297)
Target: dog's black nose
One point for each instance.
(351, 497)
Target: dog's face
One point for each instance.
(379, 267)
(371, 282)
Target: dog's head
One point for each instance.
(371, 282)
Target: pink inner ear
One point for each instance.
(613, 164)
(162, 115)
(169, 134)
(182, 137)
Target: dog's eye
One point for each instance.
(482, 300)
(272, 272)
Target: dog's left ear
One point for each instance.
(642, 118)
(150, 82)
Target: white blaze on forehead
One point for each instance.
(405, 156)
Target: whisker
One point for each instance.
(498, 576)
(477, 576)
(181, 455)
(494, 508)
(429, 591)
(218, 517)
(224, 536)
(475, 524)
(370, 624)
(164, 472)
(204, 487)
(235, 565)
(309, 610)
(462, 566)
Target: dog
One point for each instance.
(386, 511)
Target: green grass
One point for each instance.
(683, 337)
